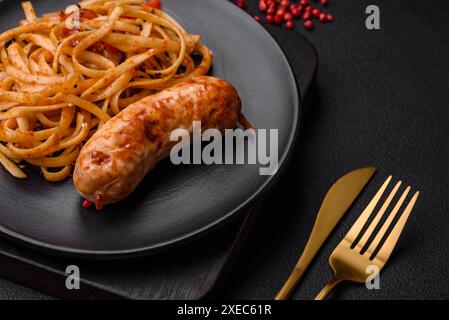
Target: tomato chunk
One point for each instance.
(157, 4)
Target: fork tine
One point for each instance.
(387, 248)
(387, 223)
(363, 241)
(361, 221)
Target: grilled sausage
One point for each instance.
(119, 155)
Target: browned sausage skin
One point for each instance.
(119, 155)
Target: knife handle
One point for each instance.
(335, 204)
(291, 282)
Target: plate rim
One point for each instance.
(207, 229)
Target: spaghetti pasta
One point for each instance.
(65, 74)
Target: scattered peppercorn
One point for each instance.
(278, 18)
(241, 3)
(296, 12)
(308, 24)
(286, 11)
(290, 25)
(281, 12)
(87, 204)
(322, 17)
(288, 16)
(306, 16)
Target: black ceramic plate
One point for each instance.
(173, 203)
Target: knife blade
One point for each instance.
(336, 203)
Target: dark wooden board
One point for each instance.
(193, 271)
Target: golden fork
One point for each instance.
(355, 254)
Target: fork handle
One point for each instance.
(328, 288)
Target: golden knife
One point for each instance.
(336, 203)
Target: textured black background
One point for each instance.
(382, 100)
